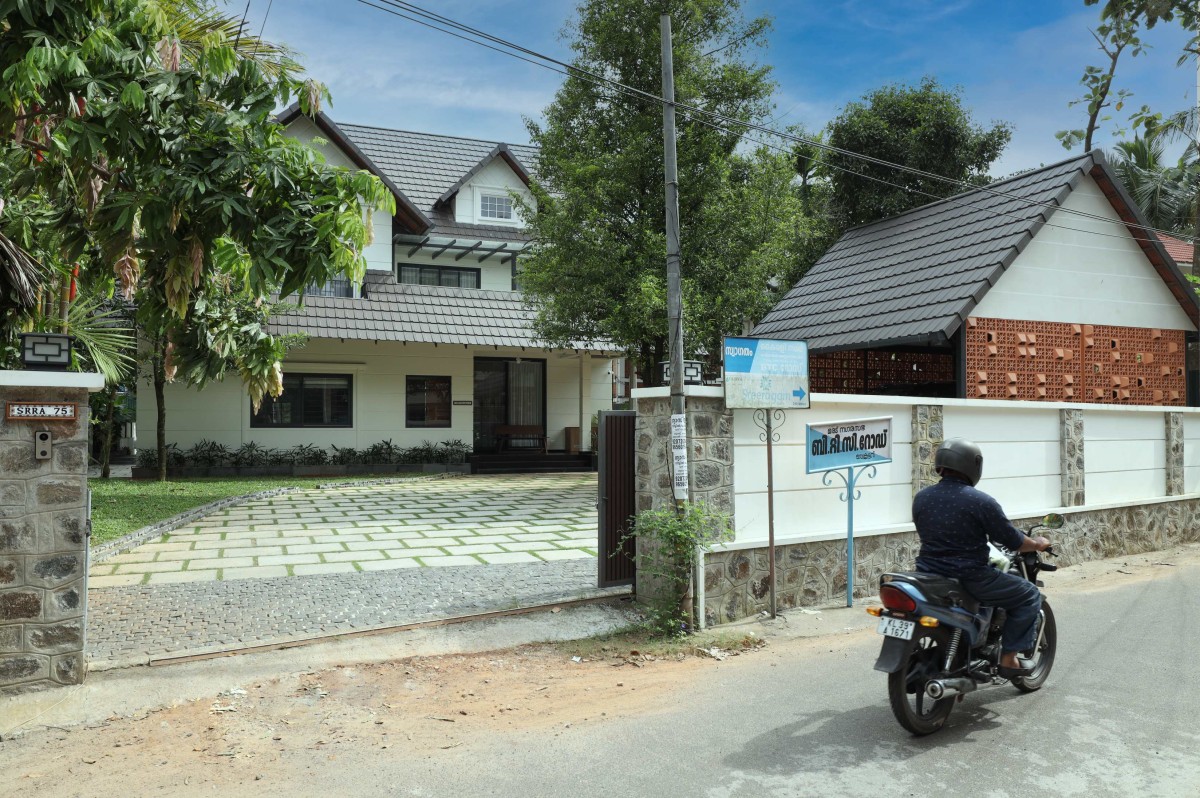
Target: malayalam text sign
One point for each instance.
(766, 373)
(845, 444)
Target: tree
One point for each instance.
(147, 139)
(923, 127)
(596, 270)
(1164, 190)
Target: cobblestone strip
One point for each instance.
(131, 625)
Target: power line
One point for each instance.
(263, 27)
(241, 25)
(631, 91)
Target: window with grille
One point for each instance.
(427, 402)
(308, 400)
(450, 276)
(495, 206)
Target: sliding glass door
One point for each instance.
(508, 392)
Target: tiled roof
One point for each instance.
(425, 165)
(419, 314)
(1179, 250)
(913, 278)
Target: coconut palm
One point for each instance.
(1165, 191)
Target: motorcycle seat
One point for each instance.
(938, 589)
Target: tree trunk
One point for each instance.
(1101, 99)
(160, 384)
(106, 452)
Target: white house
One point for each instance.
(437, 343)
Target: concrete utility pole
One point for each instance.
(679, 446)
(674, 292)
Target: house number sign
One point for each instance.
(42, 411)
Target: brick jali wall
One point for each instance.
(866, 371)
(1053, 362)
(43, 546)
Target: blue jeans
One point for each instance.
(1019, 597)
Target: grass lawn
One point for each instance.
(120, 506)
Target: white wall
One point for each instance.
(1075, 276)
(221, 411)
(1124, 451)
(804, 507)
(1125, 455)
(1191, 453)
(379, 254)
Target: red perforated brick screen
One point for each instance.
(882, 371)
(1053, 362)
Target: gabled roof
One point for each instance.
(914, 278)
(390, 311)
(1179, 250)
(429, 167)
(499, 151)
(405, 209)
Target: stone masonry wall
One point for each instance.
(1070, 457)
(814, 574)
(710, 461)
(43, 546)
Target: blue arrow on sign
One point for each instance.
(798, 393)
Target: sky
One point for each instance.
(1018, 61)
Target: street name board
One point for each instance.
(844, 444)
(766, 373)
(41, 411)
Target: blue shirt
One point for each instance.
(955, 521)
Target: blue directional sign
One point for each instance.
(846, 444)
(761, 372)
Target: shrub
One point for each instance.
(345, 456)
(206, 454)
(454, 451)
(251, 454)
(382, 453)
(306, 454)
(148, 458)
(669, 542)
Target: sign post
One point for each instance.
(848, 449)
(767, 376)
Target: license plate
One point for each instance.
(894, 627)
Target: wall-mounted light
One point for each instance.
(46, 351)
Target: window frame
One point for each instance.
(400, 265)
(302, 377)
(497, 192)
(426, 424)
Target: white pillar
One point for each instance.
(585, 420)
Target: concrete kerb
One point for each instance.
(292, 641)
(136, 538)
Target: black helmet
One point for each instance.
(961, 455)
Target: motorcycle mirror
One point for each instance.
(1053, 521)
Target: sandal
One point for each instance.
(1025, 668)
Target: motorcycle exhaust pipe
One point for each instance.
(942, 688)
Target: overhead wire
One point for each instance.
(694, 112)
(412, 8)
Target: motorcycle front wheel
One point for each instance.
(913, 708)
(1043, 654)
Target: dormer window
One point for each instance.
(495, 206)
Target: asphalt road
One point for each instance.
(805, 716)
(810, 718)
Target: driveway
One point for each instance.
(477, 520)
(345, 559)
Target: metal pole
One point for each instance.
(771, 515)
(850, 537)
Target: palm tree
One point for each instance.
(1165, 192)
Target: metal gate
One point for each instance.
(617, 497)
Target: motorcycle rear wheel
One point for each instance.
(1043, 657)
(914, 710)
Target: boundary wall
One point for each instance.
(1126, 477)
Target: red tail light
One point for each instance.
(896, 599)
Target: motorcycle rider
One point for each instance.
(955, 521)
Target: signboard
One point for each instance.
(844, 444)
(765, 373)
(41, 411)
(679, 458)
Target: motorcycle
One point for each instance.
(940, 643)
